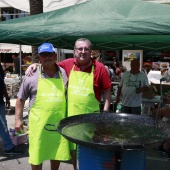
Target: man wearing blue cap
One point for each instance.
(46, 91)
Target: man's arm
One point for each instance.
(106, 98)
(31, 69)
(19, 114)
(118, 94)
(145, 85)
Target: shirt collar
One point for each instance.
(93, 62)
(57, 68)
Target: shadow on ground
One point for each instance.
(23, 148)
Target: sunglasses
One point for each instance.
(81, 49)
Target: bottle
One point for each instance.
(19, 133)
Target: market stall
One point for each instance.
(12, 85)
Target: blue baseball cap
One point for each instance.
(46, 47)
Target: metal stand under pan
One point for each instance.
(109, 141)
(99, 159)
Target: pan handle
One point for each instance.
(49, 125)
(142, 147)
(97, 111)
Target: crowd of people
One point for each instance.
(73, 86)
(115, 70)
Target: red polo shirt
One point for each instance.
(101, 77)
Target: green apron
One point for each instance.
(49, 108)
(81, 96)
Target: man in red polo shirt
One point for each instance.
(84, 63)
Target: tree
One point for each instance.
(36, 7)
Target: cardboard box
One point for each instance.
(19, 139)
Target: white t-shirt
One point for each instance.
(129, 82)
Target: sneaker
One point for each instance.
(165, 155)
(12, 151)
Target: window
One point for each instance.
(11, 13)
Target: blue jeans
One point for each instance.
(4, 129)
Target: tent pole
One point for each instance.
(20, 49)
(4, 61)
(58, 53)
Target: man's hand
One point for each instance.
(18, 125)
(19, 115)
(31, 69)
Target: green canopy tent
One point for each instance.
(109, 24)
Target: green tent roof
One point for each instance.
(109, 24)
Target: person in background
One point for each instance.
(13, 58)
(90, 79)
(9, 148)
(164, 115)
(27, 61)
(156, 66)
(131, 86)
(115, 60)
(17, 65)
(111, 72)
(117, 72)
(117, 69)
(146, 68)
(46, 91)
(164, 72)
(99, 59)
(123, 69)
(164, 149)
